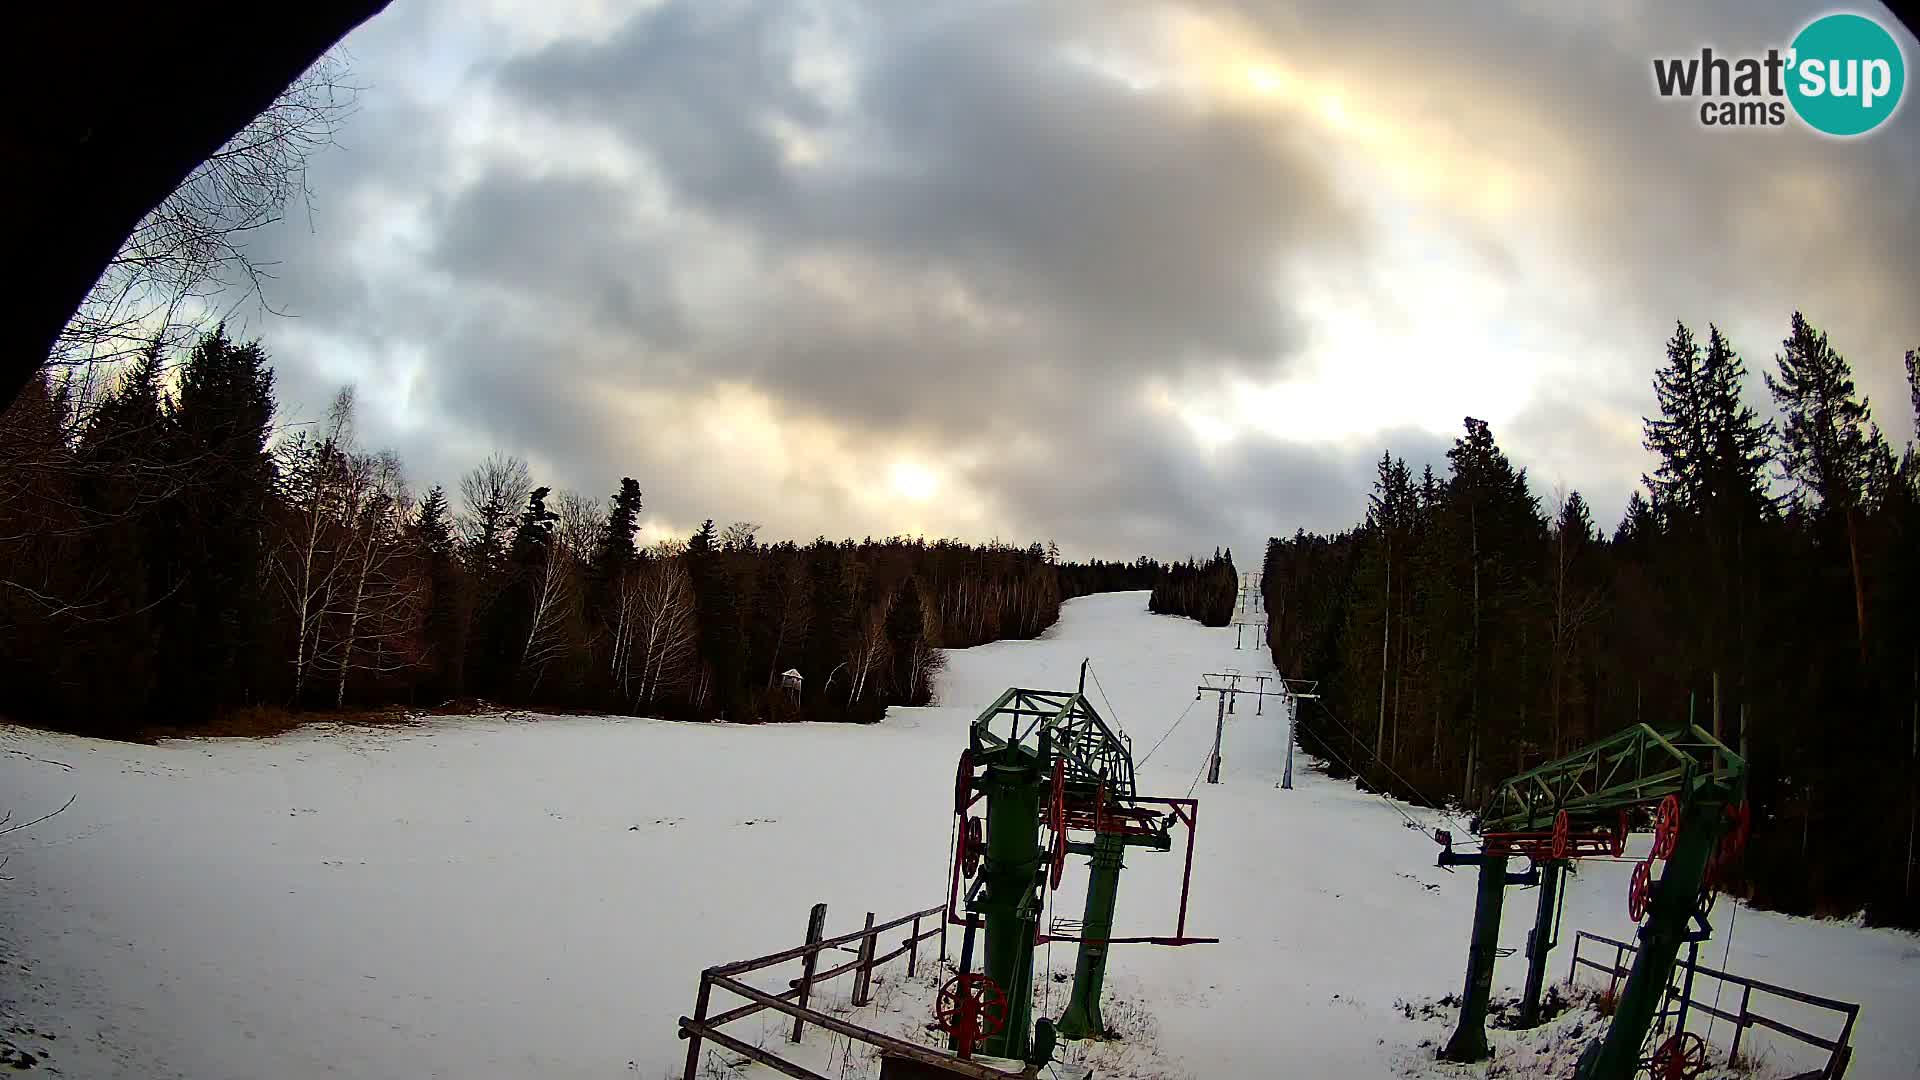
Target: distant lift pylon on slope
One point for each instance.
(1044, 760)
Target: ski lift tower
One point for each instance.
(1578, 807)
(1044, 758)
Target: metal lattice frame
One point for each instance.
(1634, 767)
(1095, 755)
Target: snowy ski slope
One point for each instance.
(487, 897)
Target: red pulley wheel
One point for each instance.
(1739, 828)
(1639, 890)
(972, 845)
(1058, 858)
(970, 1007)
(1682, 1057)
(963, 783)
(1562, 828)
(1666, 827)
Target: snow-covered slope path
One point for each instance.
(494, 898)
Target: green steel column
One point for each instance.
(1082, 1018)
(1469, 1042)
(1540, 942)
(1012, 863)
(1668, 912)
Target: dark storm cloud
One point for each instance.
(939, 228)
(693, 84)
(1144, 233)
(568, 242)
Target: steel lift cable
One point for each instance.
(1118, 727)
(1412, 823)
(1721, 983)
(1457, 819)
(1169, 731)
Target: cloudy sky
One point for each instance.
(1137, 277)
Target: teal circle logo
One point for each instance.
(1845, 74)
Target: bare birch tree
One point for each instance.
(582, 523)
(383, 601)
(493, 493)
(555, 594)
(869, 654)
(312, 471)
(667, 629)
(189, 254)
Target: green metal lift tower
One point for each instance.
(1579, 807)
(1044, 760)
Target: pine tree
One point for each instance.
(623, 523)
(1678, 437)
(1738, 445)
(616, 554)
(1495, 524)
(830, 635)
(722, 645)
(906, 636)
(1390, 516)
(1639, 525)
(444, 629)
(214, 544)
(1575, 604)
(1827, 438)
(1913, 387)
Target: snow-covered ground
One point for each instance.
(535, 896)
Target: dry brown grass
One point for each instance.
(1605, 1001)
(266, 721)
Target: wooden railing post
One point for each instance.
(1740, 1025)
(816, 929)
(1573, 965)
(943, 936)
(863, 975)
(699, 1017)
(1844, 1053)
(913, 948)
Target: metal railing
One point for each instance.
(793, 1001)
(1838, 1050)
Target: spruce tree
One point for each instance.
(1737, 444)
(906, 635)
(444, 628)
(1678, 436)
(1913, 387)
(1825, 430)
(722, 645)
(616, 553)
(124, 481)
(831, 629)
(214, 542)
(1827, 439)
(1638, 524)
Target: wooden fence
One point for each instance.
(1681, 1002)
(793, 1001)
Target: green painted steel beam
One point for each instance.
(1469, 1040)
(1633, 766)
(1082, 1019)
(1669, 914)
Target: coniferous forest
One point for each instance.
(169, 557)
(1206, 592)
(1766, 583)
(173, 557)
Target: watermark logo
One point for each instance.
(1843, 75)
